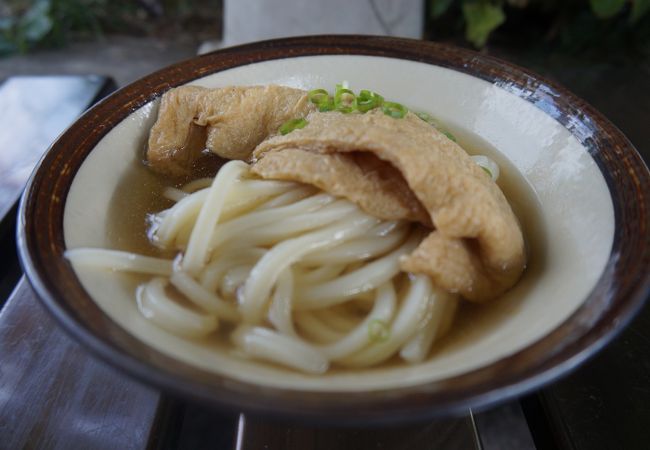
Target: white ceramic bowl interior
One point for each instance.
(550, 178)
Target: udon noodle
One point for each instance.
(295, 276)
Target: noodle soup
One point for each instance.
(342, 331)
(577, 290)
(480, 335)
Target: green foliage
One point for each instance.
(606, 8)
(18, 33)
(29, 24)
(38, 23)
(574, 25)
(439, 7)
(639, 9)
(481, 18)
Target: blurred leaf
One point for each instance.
(6, 23)
(639, 9)
(6, 47)
(439, 7)
(606, 8)
(482, 18)
(518, 3)
(36, 22)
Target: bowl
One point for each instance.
(580, 189)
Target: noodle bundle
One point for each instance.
(293, 275)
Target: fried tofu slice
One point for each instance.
(228, 122)
(477, 248)
(392, 168)
(376, 186)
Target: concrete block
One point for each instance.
(254, 20)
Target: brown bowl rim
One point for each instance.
(618, 295)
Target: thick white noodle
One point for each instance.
(265, 273)
(198, 247)
(364, 279)
(418, 347)
(231, 229)
(203, 298)
(155, 305)
(291, 226)
(248, 195)
(174, 194)
(182, 213)
(358, 250)
(292, 196)
(307, 279)
(233, 279)
(358, 338)
(319, 274)
(211, 276)
(280, 310)
(412, 310)
(120, 261)
(198, 184)
(270, 345)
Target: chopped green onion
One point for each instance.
(394, 110)
(327, 105)
(368, 100)
(449, 135)
(322, 99)
(318, 96)
(293, 124)
(489, 166)
(378, 331)
(344, 99)
(428, 118)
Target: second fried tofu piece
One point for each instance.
(376, 186)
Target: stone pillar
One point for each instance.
(254, 20)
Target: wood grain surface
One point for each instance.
(54, 395)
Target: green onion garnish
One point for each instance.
(378, 331)
(431, 121)
(318, 96)
(486, 170)
(394, 110)
(427, 118)
(344, 100)
(327, 105)
(449, 135)
(368, 100)
(293, 124)
(322, 99)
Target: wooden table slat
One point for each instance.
(54, 395)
